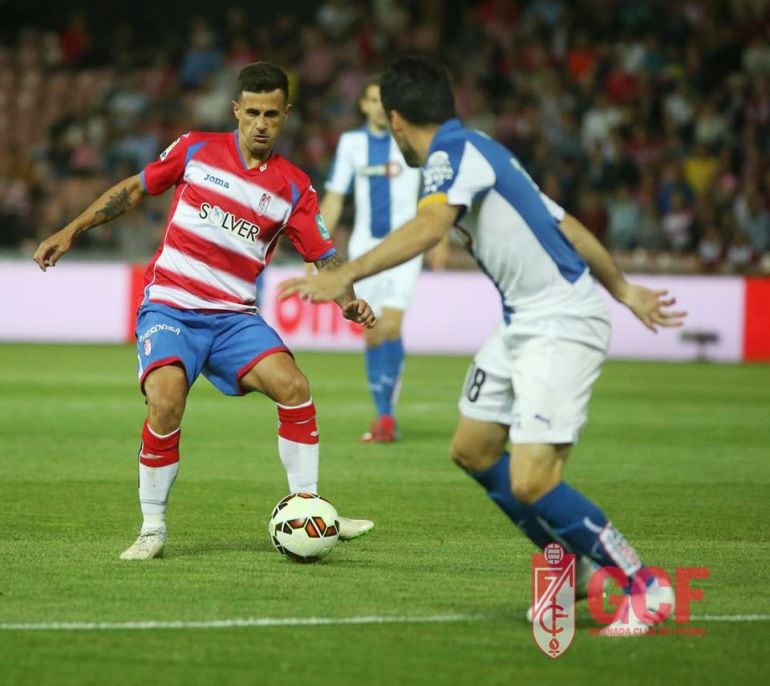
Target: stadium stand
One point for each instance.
(648, 120)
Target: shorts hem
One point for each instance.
(253, 362)
(542, 437)
(482, 416)
(165, 362)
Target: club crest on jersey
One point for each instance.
(264, 202)
(437, 170)
(222, 219)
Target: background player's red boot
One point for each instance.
(383, 430)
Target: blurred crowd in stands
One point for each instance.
(649, 121)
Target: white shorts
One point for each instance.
(393, 288)
(538, 385)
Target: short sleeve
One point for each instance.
(343, 169)
(454, 173)
(556, 210)
(168, 169)
(306, 229)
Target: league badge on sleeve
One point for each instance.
(165, 153)
(553, 599)
(319, 222)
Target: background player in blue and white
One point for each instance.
(385, 189)
(530, 383)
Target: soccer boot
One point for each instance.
(354, 528)
(584, 569)
(149, 545)
(627, 623)
(383, 430)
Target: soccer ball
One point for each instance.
(304, 527)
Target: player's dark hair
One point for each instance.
(371, 81)
(419, 89)
(262, 77)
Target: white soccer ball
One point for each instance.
(304, 527)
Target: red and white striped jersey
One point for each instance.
(225, 221)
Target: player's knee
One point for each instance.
(469, 459)
(164, 412)
(295, 390)
(529, 488)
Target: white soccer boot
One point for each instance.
(354, 528)
(627, 623)
(149, 545)
(584, 569)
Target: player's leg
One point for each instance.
(250, 356)
(478, 447)
(168, 365)
(278, 377)
(389, 294)
(384, 366)
(553, 380)
(481, 436)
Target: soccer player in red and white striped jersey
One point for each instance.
(233, 199)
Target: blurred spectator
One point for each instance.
(202, 58)
(651, 237)
(624, 221)
(673, 184)
(711, 249)
(699, 168)
(599, 122)
(677, 222)
(336, 18)
(75, 39)
(592, 212)
(741, 256)
(754, 220)
(710, 124)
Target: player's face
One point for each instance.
(371, 106)
(400, 135)
(260, 118)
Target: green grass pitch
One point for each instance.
(676, 454)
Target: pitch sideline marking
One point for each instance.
(259, 622)
(265, 622)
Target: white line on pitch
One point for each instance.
(730, 618)
(263, 622)
(237, 623)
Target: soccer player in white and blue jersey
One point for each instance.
(531, 382)
(385, 189)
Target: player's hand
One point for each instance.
(52, 248)
(325, 287)
(652, 307)
(359, 311)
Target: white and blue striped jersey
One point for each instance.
(385, 188)
(516, 239)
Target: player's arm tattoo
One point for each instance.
(116, 204)
(330, 264)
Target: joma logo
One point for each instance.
(217, 181)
